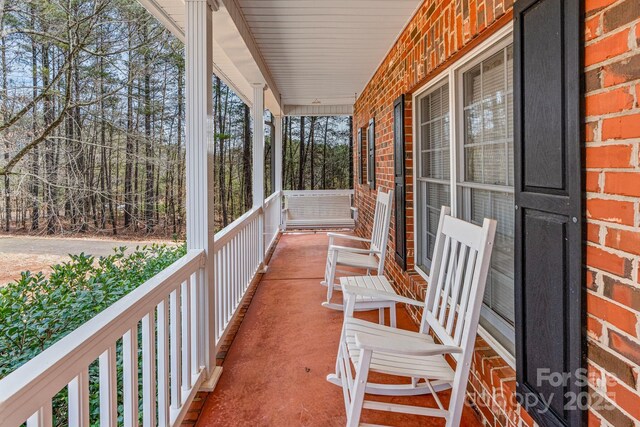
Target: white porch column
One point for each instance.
(258, 157)
(199, 165)
(278, 153)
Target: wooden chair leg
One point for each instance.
(392, 315)
(333, 256)
(359, 386)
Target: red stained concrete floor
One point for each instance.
(274, 373)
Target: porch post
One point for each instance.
(258, 159)
(278, 153)
(199, 167)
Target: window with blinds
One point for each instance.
(434, 168)
(481, 182)
(486, 178)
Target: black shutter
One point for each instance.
(399, 181)
(371, 144)
(549, 301)
(360, 159)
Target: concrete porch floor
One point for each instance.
(274, 372)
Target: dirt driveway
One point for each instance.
(18, 254)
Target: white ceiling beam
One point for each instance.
(318, 110)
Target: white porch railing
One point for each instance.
(272, 219)
(166, 316)
(172, 367)
(238, 255)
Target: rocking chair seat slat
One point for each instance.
(350, 259)
(428, 367)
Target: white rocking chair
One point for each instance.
(368, 260)
(451, 312)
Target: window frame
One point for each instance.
(453, 76)
(371, 154)
(361, 162)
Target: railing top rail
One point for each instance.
(317, 192)
(271, 198)
(230, 231)
(29, 387)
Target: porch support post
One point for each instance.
(199, 165)
(278, 153)
(258, 159)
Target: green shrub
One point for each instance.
(37, 311)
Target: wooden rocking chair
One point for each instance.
(451, 313)
(368, 260)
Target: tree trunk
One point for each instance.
(35, 154)
(180, 167)
(324, 155)
(301, 151)
(149, 193)
(246, 159)
(351, 159)
(128, 158)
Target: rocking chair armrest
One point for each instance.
(378, 294)
(347, 237)
(402, 345)
(353, 250)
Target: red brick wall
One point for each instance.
(441, 32)
(612, 108)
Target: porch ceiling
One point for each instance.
(324, 51)
(315, 57)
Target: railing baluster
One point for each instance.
(108, 390)
(42, 418)
(219, 296)
(228, 283)
(232, 273)
(175, 344)
(193, 320)
(242, 260)
(245, 258)
(148, 370)
(130, 376)
(203, 318)
(236, 275)
(225, 285)
(79, 400)
(163, 364)
(185, 298)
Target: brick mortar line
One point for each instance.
(618, 304)
(602, 246)
(628, 54)
(610, 142)
(615, 404)
(603, 370)
(610, 250)
(612, 197)
(618, 30)
(617, 114)
(622, 280)
(607, 7)
(607, 89)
